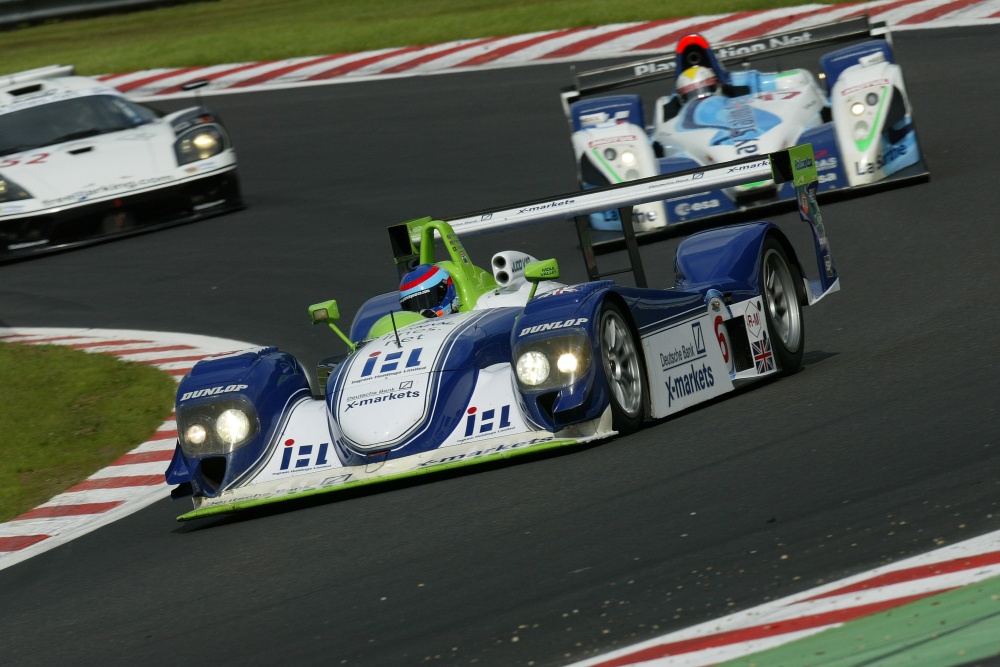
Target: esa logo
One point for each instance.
(685, 208)
(390, 362)
(303, 456)
(486, 420)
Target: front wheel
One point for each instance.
(623, 369)
(779, 281)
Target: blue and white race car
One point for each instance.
(857, 118)
(464, 365)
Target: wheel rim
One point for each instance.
(782, 301)
(621, 363)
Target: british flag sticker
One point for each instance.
(763, 359)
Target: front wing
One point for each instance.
(435, 461)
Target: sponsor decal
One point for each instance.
(826, 178)
(826, 163)
(652, 68)
(685, 353)
(486, 216)
(486, 452)
(84, 195)
(752, 316)
(383, 398)
(867, 84)
(691, 382)
(549, 326)
(742, 122)
(569, 289)
(336, 479)
(304, 456)
(544, 207)
(390, 362)
(612, 140)
(214, 391)
(762, 45)
(763, 359)
(865, 167)
(486, 421)
(762, 164)
(644, 217)
(684, 208)
(803, 163)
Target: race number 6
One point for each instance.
(721, 336)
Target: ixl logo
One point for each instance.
(390, 362)
(302, 455)
(486, 420)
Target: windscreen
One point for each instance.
(67, 120)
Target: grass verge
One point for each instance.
(65, 414)
(233, 31)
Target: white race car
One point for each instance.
(80, 162)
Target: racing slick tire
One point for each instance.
(623, 368)
(779, 280)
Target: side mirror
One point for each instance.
(536, 272)
(323, 312)
(327, 311)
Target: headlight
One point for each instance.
(11, 191)
(199, 144)
(232, 427)
(553, 362)
(195, 434)
(861, 131)
(610, 153)
(628, 158)
(532, 368)
(857, 108)
(568, 363)
(216, 428)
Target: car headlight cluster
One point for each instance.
(11, 191)
(199, 143)
(216, 428)
(864, 111)
(548, 363)
(622, 161)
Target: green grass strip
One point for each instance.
(960, 627)
(234, 31)
(65, 414)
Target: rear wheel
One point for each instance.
(779, 281)
(623, 369)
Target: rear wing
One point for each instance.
(794, 164)
(661, 67)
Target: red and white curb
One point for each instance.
(546, 47)
(808, 613)
(133, 481)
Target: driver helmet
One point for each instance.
(427, 289)
(697, 82)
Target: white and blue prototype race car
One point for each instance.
(522, 363)
(857, 117)
(80, 162)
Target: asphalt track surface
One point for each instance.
(883, 446)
